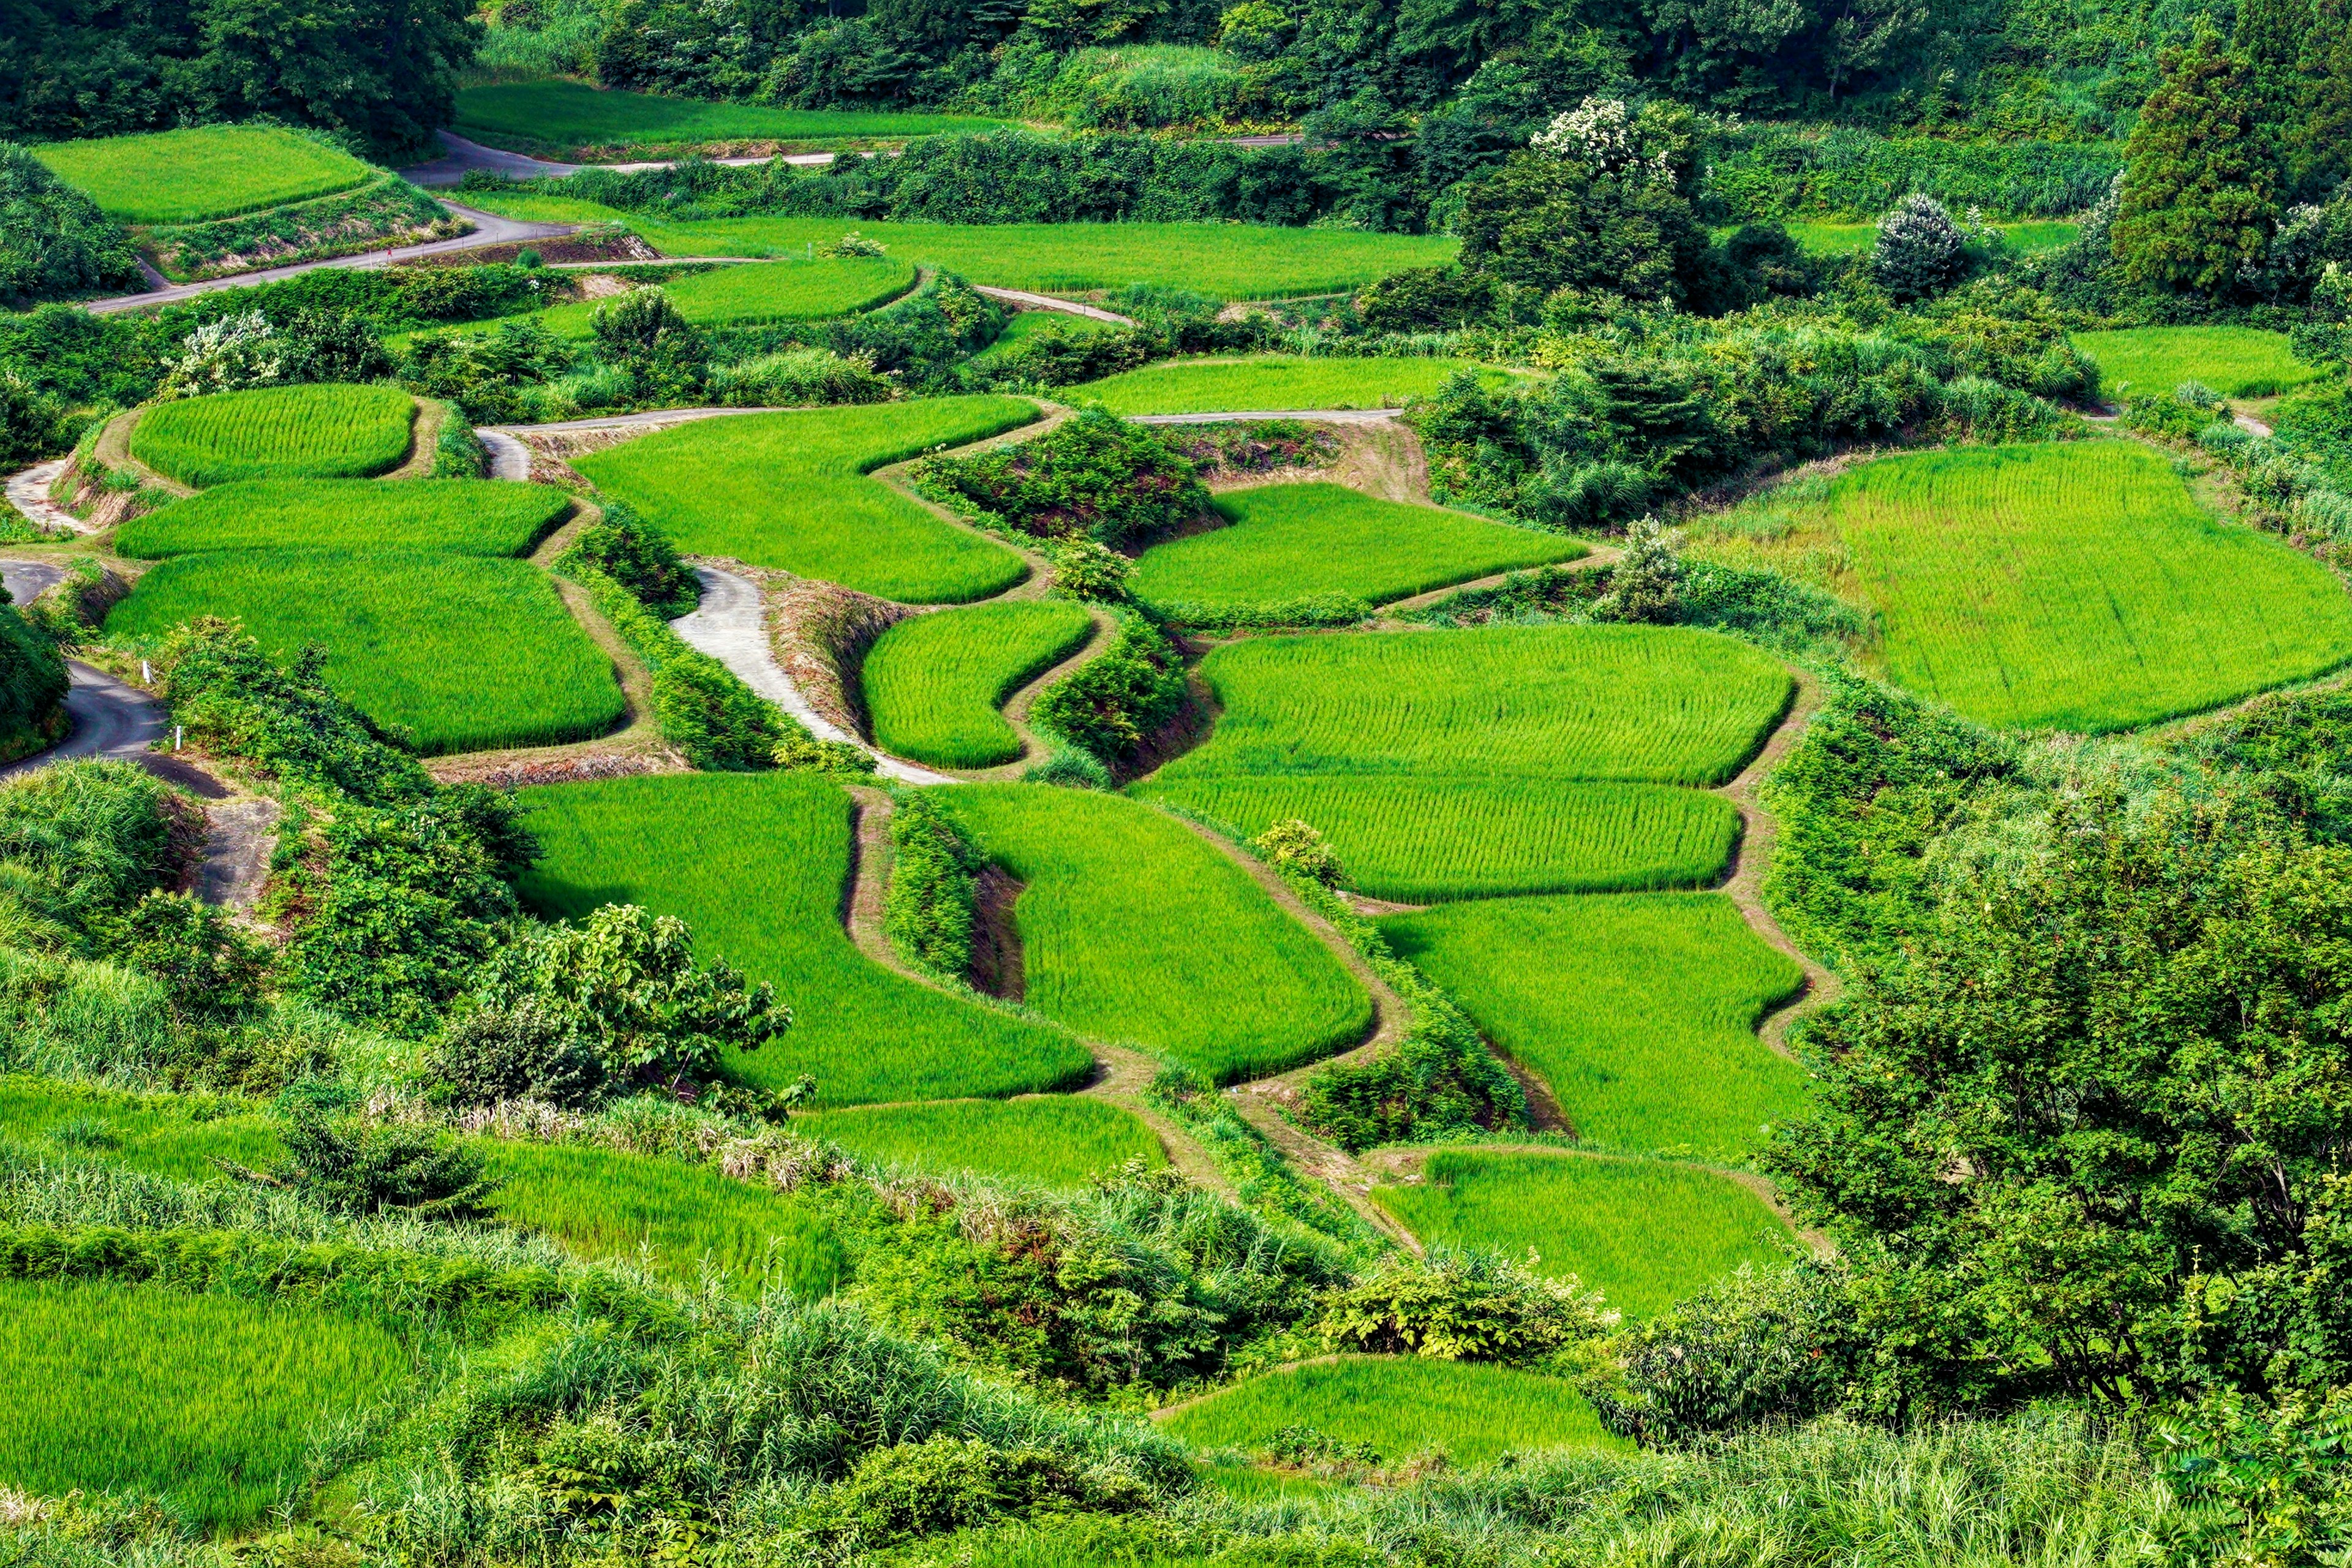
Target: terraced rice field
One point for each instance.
(558, 116)
(1289, 542)
(2077, 586)
(205, 172)
(2024, 238)
(1135, 929)
(1054, 1141)
(1421, 840)
(1638, 1013)
(446, 653)
(452, 517)
(2236, 362)
(1642, 1232)
(768, 292)
(1636, 704)
(1401, 1405)
(767, 896)
(209, 1401)
(934, 683)
(790, 491)
(1266, 382)
(317, 432)
(1230, 261)
(154, 1134)
(675, 1220)
(1027, 326)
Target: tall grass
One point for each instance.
(158, 1134)
(565, 116)
(457, 517)
(2236, 362)
(446, 653)
(207, 1401)
(1134, 928)
(1642, 1232)
(934, 683)
(205, 172)
(1059, 1141)
(2076, 588)
(756, 864)
(317, 432)
(1638, 1013)
(790, 491)
(1422, 840)
(1291, 541)
(1401, 1405)
(1265, 383)
(1636, 703)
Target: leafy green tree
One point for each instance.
(2201, 190)
(54, 242)
(642, 332)
(2321, 113)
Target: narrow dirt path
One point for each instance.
(1593, 560)
(1318, 415)
(28, 492)
(239, 837)
(1121, 1074)
(1325, 1163)
(1759, 833)
(1048, 302)
(113, 451)
(424, 439)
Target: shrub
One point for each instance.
(1096, 475)
(81, 843)
(945, 1483)
(642, 332)
(54, 242)
(524, 1052)
(1089, 569)
(1111, 705)
(799, 376)
(34, 424)
(33, 683)
(1296, 848)
(1646, 583)
(210, 970)
(349, 1165)
(640, 558)
(1462, 1306)
(1426, 299)
(1070, 768)
(933, 880)
(1919, 251)
(227, 354)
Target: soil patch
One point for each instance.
(995, 939)
(585, 247)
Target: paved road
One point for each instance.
(488, 229)
(110, 720)
(28, 580)
(510, 459)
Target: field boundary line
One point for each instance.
(426, 416)
(113, 451)
(1597, 557)
(1751, 862)
(1284, 1370)
(1117, 1067)
(1321, 1161)
(1034, 748)
(1048, 302)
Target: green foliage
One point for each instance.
(350, 1165)
(560, 117)
(210, 969)
(1270, 382)
(641, 559)
(1093, 475)
(1295, 850)
(1460, 1305)
(82, 843)
(804, 291)
(1920, 251)
(33, 683)
(456, 517)
(2258, 1484)
(320, 432)
(54, 242)
(1851, 172)
(623, 986)
(1089, 569)
(642, 332)
(2200, 180)
(933, 876)
(945, 1483)
(377, 217)
(935, 684)
(709, 715)
(1110, 707)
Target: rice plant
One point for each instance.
(790, 491)
(1425, 839)
(1645, 1233)
(1288, 542)
(766, 894)
(2077, 586)
(1054, 1141)
(1636, 704)
(1135, 928)
(459, 517)
(207, 1403)
(325, 431)
(567, 116)
(934, 683)
(150, 1132)
(1401, 1406)
(446, 653)
(804, 291)
(1270, 383)
(2236, 362)
(203, 171)
(1638, 1013)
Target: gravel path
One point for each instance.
(1048, 302)
(239, 837)
(730, 624)
(28, 492)
(488, 229)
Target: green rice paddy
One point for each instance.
(2236, 362)
(934, 683)
(767, 896)
(1288, 542)
(2077, 586)
(568, 116)
(793, 290)
(1060, 1141)
(1231, 261)
(1401, 1405)
(675, 1219)
(790, 491)
(1028, 326)
(1636, 703)
(1134, 928)
(1642, 1232)
(446, 653)
(151, 1132)
(1638, 1013)
(208, 1402)
(453, 517)
(317, 432)
(1421, 840)
(1269, 384)
(205, 172)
